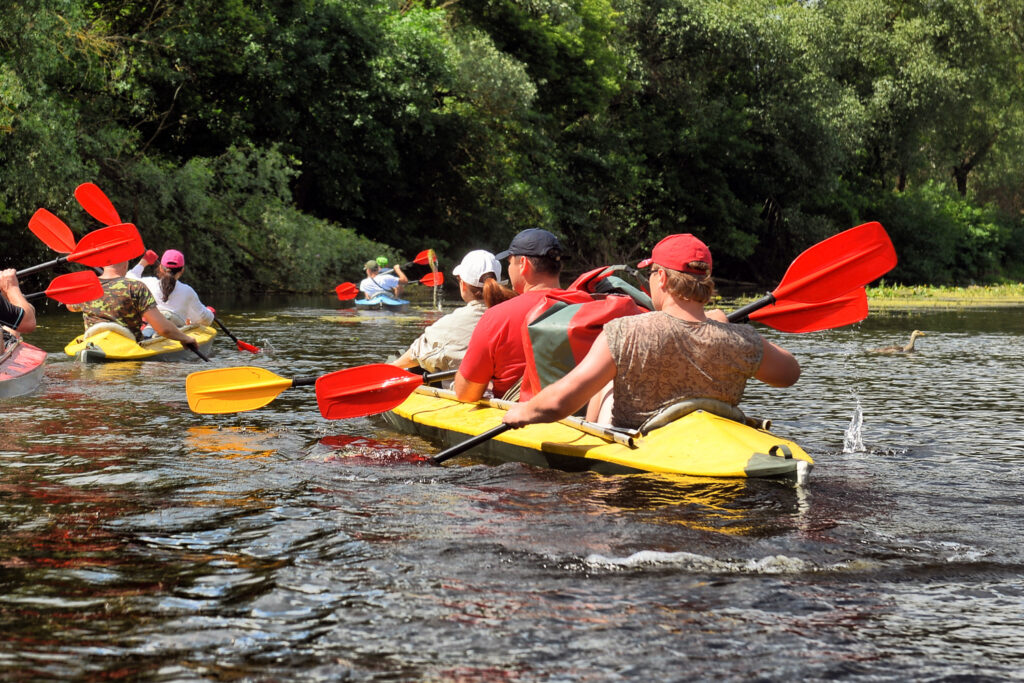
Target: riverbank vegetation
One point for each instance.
(281, 144)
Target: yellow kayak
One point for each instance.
(106, 343)
(698, 443)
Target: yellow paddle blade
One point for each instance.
(232, 390)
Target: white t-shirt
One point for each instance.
(379, 284)
(183, 300)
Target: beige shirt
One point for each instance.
(661, 360)
(443, 344)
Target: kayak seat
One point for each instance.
(156, 338)
(116, 328)
(709, 405)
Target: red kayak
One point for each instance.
(21, 366)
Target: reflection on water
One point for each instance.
(143, 541)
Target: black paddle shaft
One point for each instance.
(740, 315)
(469, 443)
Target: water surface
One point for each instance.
(143, 541)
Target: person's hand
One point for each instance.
(191, 344)
(8, 279)
(517, 416)
(149, 257)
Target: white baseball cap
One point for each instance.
(475, 265)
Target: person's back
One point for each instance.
(443, 345)
(660, 358)
(496, 353)
(376, 283)
(124, 302)
(170, 293)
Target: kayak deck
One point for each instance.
(697, 444)
(383, 302)
(109, 346)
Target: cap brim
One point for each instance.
(503, 255)
(646, 262)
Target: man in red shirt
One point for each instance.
(495, 351)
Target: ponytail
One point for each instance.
(494, 292)
(168, 280)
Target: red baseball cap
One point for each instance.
(675, 252)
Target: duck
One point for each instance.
(908, 348)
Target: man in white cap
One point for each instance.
(496, 353)
(443, 344)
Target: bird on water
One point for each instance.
(907, 348)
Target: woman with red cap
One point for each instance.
(176, 300)
(644, 363)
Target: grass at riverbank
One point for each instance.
(899, 296)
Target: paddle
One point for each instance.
(100, 248)
(799, 317)
(72, 288)
(354, 392)
(53, 232)
(424, 258)
(833, 267)
(97, 204)
(347, 291)
(242, 346)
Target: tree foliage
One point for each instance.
(283, 143)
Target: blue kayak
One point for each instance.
(383, 302)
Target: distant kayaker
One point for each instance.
(129, 303)
(376, 283)
(443, 344)
(15, 310)
(496, 354)
(644, 363)
(174, 299)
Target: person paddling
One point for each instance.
(376, 283)
(644, 363)
(175, 299)
(129, 303)
(496, 353)
(15, 310)
(443, 344)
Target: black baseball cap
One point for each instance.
(531, 242)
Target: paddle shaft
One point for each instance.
(469, 443)
(42, 266)
(741, 314)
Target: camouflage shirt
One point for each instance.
(124, 301)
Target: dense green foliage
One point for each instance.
(281, 144)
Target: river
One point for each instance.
(142, 541)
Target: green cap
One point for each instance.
(382, 260)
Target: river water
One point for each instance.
(142, 541)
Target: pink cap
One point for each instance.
(173, 258)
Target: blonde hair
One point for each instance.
(689, 285)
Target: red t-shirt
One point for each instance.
(496, 348)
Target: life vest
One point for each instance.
(561, 328)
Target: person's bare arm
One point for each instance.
(12, 292)
(467, 391)
(165, 328)
(778, 366)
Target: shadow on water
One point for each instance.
(143, 541)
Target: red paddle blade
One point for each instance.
(425, 257)
(53, 232)
(795, 316)
(242, 346)
(346, 291)
(432, 279)
(105, 246)
(365, 390)
(843, 262)
(75, 288)
(96, 204)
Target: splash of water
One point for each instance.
(852, 438)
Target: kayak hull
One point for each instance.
(110, 346)
(383, 303)
(699, 444)
(21, 368)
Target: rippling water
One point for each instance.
(143, 541)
